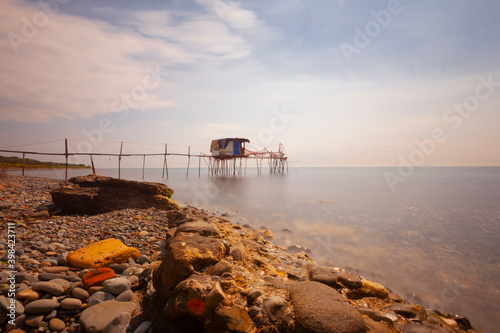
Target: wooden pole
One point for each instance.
(120, 159)
(189, 160)
(92, 163)
(199, 166)
(66, 154)
(143, 164)
(24, 154)
(165, 160)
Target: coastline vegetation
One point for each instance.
(14, 162)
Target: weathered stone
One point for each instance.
(215, 296)
(252, 296)
(230, 320)
(56, 324)
(199, 227)
(6, 302)
(408, 310)
(94, 194)
(118, 324)
(27, 294)
(274, 307)
(51, 276)
(319, 308)
(221, 267)
(321, 274)
(103, 253)
(48, 287)
(99, 316)
(40, 214)
(143, 327)
(99, 297)
(186, 253)
(34, 320)
(368, 289)
(80, 293)
(126, 296)
(117, 285)
(56, 269)
(190, 297)
(41, 306)
(71, 304)
(349, 280)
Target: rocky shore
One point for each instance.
(171, 269)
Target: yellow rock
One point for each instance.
(101, 254)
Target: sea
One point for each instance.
(433, 239)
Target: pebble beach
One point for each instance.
(244, 284)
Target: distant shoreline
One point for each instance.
(31, 167)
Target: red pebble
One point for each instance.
(95, 277)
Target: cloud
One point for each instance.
(75, 67)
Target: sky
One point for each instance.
(339, 83)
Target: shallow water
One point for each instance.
(434, 240)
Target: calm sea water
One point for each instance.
(435, 240)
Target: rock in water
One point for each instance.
(94, 194)
(103, 253)
(319, 308)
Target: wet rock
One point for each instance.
(319, 308)
(349, 280)
(99, 316)
(94, 194)
(103, 253)
(321, 274)
(408, 310)
(368, 289)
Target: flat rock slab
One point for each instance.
(319, 308)
(99, 316)
(103, 253)
(94, 194)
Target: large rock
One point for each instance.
(319, 308)
(102, 253)
(94, 194)
(185, 254)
